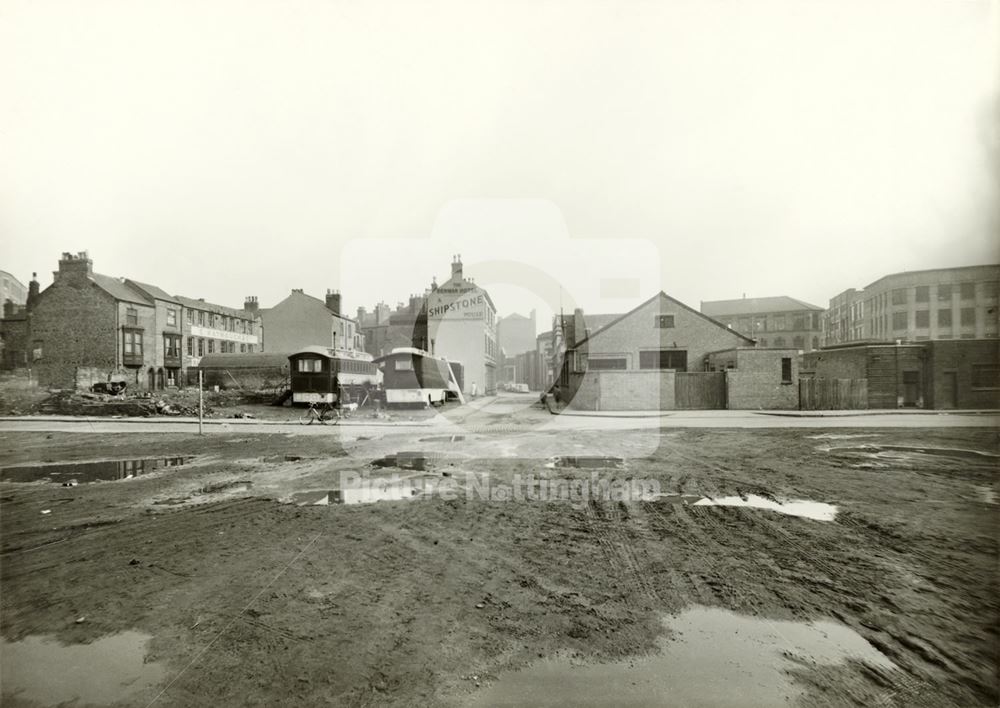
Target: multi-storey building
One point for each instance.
(943, 303)
(14, 330)
(516, 333)
(215, 329)
(461, 325)
(844, 320)
(385, 330)
(87, 327)
(301, 321)
(12, 289)
(778, 322)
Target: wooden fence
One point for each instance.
(833, 394)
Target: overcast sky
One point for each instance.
(222, 149)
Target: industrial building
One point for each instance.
(942, 374)
(779, 321)
(652, 358)
(918, 306)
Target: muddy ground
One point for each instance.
(251, 601)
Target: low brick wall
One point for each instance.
(625, 391)
(751, 390)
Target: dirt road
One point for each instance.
(250, 601)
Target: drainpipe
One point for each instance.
(899, 400)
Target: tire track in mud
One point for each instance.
(603, 522)
(820, 548)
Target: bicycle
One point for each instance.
(321, 413)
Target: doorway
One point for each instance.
(949, 389)
(911, 388)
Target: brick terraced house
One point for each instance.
(87, 327)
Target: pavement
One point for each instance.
(517, 421)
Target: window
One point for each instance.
(189, 314)
(201, 318)
(211, 346)
(923, 319)
(171, 345)
(899, 296)
(799, 323)
(779, 342)
(968, 317)
(923, 293)
(664, 322)
(201, 347)
(190, 346)
(778, 322)
(404, 365)
(664, 359)
(763, 341)
(37, 348)
(944, 292)
(131, 316)
(786, 369)
(899, 321)
(799, 342)
(310, 365)
(243, 348)
(968, 291)
(171, 318)
(985, 376)
(606, 364)
(944, 318)
(132, 342)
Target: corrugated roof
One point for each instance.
(755, 306)
(119, 290)
(254, 360)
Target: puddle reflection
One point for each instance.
(99, 471)
(718, 659)
(108, 670)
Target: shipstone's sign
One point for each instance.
(470, 307)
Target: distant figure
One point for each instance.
(473, 389)
(557, 394)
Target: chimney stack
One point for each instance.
(456, 267)
(579, 328)
(250, 304)
(77, 267)
(32, 291)
(333, 301)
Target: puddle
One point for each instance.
(587, 462)
(909, 452)
(674, 498)
(986, 495)
(717, 659)
(82, 472)
(108, 670)
(793, 507)
(443, 438)
(364, 494)
(842, 436)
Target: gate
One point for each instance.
(700, 390)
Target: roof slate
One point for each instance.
(755, 306)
